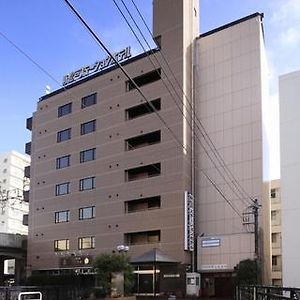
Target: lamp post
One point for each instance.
(122, 249)
(119, 283)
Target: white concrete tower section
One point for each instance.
(289, 91)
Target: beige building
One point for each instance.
(106, 171)
(232, 93)
(275, 199)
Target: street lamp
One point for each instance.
(122, 248)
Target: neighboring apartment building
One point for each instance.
(275, 200)
(12, 184)
(106, 171)
(13, 205)
(289, 90)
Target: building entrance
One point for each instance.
(147, 280)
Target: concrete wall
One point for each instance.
(289, 89)
(231, 92)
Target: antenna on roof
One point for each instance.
(47, 90)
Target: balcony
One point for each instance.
(140, 238)
(26, 196)
(29, 123)
(28, 148)
(143, 172)
(143, 204)
(25, 220)
(142, 140)
(27, 172)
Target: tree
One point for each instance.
(105, 264)
(247, 272)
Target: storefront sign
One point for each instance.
(75, 261)
(210, 242)
(171, 275)
(97, 66)
(189, 233)
(214, 267)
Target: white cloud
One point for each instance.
(286, 18)
(286, 12)
(291, 36)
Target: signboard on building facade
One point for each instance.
(214, 267)
(97, 66)
(189, 234)
(210, 242)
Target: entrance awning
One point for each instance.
(153, 256)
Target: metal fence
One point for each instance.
(48, 292)
(266, 293)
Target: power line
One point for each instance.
(205, 135)
(93, 34)
(29, 58)
(96, 38)
(180, 109)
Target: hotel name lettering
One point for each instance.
(97, 66)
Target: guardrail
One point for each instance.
(41, 292)
(266, 293)
(28, 295)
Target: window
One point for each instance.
(142, 109)
(28, 148)
(62, 189)
(143, 140)
(86, 242)
(87, 184)
(142, 204)
(87, 155)
(273, 193)
(274, 237)
(274, 260)
(87, 213)
(89, 100)
(64, 110)
(5, 160)
(273, 215)
(88, 127)
(62, 216)
(142, 172)
(143, 79)
(61, 245)
(146, 237)
(63, 162)
(64, 135)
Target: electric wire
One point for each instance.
(29, 58)
(205, 134)
(54, 79)
(180, 109)
(96, 38)
(94, 35)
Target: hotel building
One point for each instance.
(106, 171)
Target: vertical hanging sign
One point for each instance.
(189, 212)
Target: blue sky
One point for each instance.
(48, 32)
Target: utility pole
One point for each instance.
(250, 218)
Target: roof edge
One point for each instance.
(80, 81)
(254, 15)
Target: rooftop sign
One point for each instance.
(97, 66)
